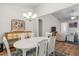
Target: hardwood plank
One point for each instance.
(67, 49)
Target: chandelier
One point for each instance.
(29, 15)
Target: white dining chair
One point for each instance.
(6, 44)
(51, 45)
(32, 35)
(48, 34)
(41, 49)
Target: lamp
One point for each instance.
(29, 15)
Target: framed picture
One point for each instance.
(73, 25)
(17, 25)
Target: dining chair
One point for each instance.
(32, 35)
(48, 34)
(51, 45)
(41, 49)
(6, 46)
(8, 49)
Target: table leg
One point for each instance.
(24, 52)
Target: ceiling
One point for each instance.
(65, 14)
(31, 5)
(62, 15)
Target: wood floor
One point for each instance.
(67, 49)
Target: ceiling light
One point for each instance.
(24, 14)
(73, 17)
(34, 16)
(29, 15)
(73, 14)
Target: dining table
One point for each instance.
(28, 43)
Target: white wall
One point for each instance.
(48, 22)
(64, 27)
(48, 8)
(8, 12)
(35, 26)
(68, 29)
(73, 30)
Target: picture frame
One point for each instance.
(17, 25)
(73, 25)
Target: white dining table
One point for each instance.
(29, 43)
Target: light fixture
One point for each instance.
(29, 15)
(73, 15)
(35, 15)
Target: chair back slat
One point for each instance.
(42, 48)
(51, 45)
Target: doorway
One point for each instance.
(40, 27)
